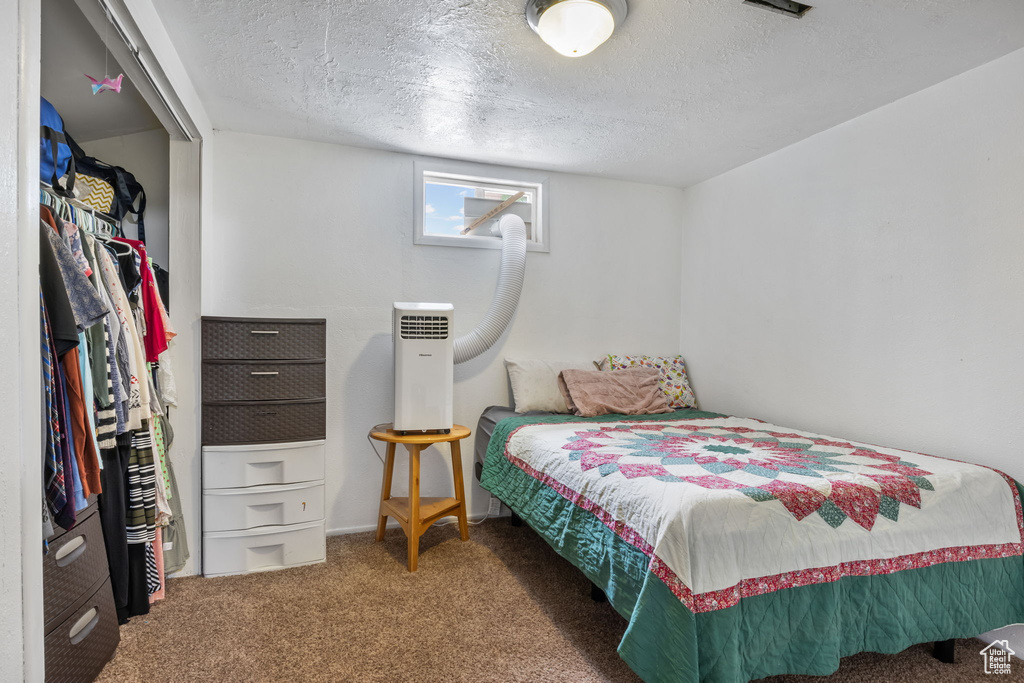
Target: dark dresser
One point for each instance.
(264, 427)
(79, 617)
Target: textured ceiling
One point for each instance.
(69, 48)
(684, 90)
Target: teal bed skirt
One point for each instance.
(803, 630)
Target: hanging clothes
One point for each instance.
(113, 514)
(118, 398)
(134, 356)
(86, 303)
(118, 357)
(155, 569)
(107, 378)
(106, 374)
(155, 317)
(141, 489)
(175, 541)
(106, 418)
(95, 334)
(86, 456)
(71, 458)
(61, 319)
(137, 602)
(53, 470)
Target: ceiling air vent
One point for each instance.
(787, 7)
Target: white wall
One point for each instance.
(147, 156)
(867, 282)
(307, 229)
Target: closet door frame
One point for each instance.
(21, 532)
(170, 93)
(188, 177)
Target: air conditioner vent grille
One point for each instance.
(424, 327)
(787, 7)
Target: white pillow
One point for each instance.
(535, 383)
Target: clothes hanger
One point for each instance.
(101, 232)
(114, 244)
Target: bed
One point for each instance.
(737, 549)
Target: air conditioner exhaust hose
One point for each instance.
(506, 296)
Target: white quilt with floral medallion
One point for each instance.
(731, 507)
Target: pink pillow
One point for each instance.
(590, 393)
(674, 382)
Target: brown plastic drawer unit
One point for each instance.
(80, 645)
(92, 505)
(264, 339)
(229, 422)
(263, 381)
(264, 428)
(76, 561)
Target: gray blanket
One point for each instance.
(485, 428)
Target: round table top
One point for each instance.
(385, 432)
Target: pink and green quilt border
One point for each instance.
(676, 636)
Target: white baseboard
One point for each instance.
(344, 531)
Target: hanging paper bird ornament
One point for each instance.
(107, 83)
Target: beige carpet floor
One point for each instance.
(501, 607)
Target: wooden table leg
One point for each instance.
(460, 493)
(414, 505)
(385, 491)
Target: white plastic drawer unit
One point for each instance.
(263, 549)
(246, 508)
(226, 467)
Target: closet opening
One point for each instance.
(119, 210)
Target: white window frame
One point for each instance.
(480, 173)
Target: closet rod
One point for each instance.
(149, 72)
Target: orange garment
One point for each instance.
(44, 213)
(81, 432)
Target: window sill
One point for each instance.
(473, 242)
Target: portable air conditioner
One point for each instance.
(424, 367)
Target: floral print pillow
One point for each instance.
(673, 375)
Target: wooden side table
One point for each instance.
(414, 513)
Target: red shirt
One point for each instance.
(156, 334)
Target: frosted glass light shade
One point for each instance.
(576, 27)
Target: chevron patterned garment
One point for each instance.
(96, 192)
(763, 543)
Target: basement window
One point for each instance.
(458, 204)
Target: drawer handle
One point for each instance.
(266, 331)
(84, 626)
(266, 412)
(264, 549)
(265, 507)
(265, 374)
(268, 463)
(70, 551)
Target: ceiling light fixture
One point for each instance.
(575, 27)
